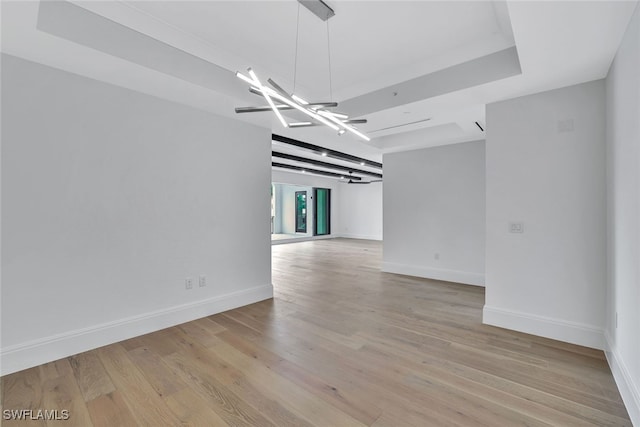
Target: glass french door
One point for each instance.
(322, 209)
(301, 211)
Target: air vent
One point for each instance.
(398, 126)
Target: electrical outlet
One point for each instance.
(202, 281)
(516, 227)
(188, 283)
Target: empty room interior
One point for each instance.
(320, 213)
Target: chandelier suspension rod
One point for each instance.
(295, 61)
(329, 55)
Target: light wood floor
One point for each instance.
(341, 344)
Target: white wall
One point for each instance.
(360, 209)
(434, 212)
(110, 199)
(623, 217)
(277, 220)
(549, 280)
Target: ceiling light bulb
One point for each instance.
(324, 154)
(361, 163)
(303, 171)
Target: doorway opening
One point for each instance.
(299, 212)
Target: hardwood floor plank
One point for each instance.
(62, 394)
(160, 342)
(144, 403)
(582, 415)
(55, 369)
(267, 404)
(340, 344)
(352, 402)
(163, 379)
(202, 330)
(23, 392)
(202, 379)
(235, 381)
(317, 411)
(193, 410)
(90, 375)
(110, 410)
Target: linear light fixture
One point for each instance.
(317, 111)
(268, 98)
(299, 100)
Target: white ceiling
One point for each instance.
(375, 46)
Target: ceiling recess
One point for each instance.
(323, 164)
(330, 153)
(313, 171)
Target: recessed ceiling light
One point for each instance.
(303, 171)
(324, 154)
(361, 163)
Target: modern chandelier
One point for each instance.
(278, 99)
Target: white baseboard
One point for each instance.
(548, 327)
(33, 353)
(360, 236)
(302, 239)
(628, 389)
(330, 236)
(465, 277)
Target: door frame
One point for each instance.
(306, 207)
(315, 211)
